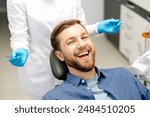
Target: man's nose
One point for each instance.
(81, 44)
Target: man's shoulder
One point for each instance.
(114, 69)
(54, 93)
(117, 72)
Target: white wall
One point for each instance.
(94, 10)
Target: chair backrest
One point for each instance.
(59, 68)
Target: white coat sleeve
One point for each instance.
(92, 29)
(18, 26)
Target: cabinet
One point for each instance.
(112, 10)
(2, 5)
(134, 24)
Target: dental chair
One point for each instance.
(141, 67)
(59, 68)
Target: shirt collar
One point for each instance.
(73, 79)
(76, 80)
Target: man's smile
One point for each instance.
(83, 54)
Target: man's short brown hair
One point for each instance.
(59, 28)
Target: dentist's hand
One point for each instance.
(109, 26)
(18, 57)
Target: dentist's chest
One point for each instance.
(50, 11)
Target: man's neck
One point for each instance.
(84, 75)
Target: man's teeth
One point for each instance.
(84, 53)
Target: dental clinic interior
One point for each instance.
(112, 50)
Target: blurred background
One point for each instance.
(112, 50)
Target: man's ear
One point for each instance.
(59, 55)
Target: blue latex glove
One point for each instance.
(18, 57)
(109, 26)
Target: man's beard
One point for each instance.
(79, 66)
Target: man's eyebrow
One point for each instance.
(84, 33)
(70, 38)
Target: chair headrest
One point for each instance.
(59, 68)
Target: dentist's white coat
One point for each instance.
(31, 23)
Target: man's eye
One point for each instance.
(70, 42)
(85, 37)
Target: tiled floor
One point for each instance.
(106, 56)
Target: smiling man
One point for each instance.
(75, 48)
(85, 81)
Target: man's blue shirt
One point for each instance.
(119, 83)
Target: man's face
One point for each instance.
(76, 48)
